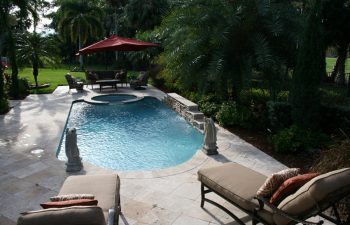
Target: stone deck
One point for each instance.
(30, 173)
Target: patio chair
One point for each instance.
(140, 81)
(74, 83)
(238, 185)
(122, 77)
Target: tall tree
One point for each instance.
(79, 21)
(310, 68)
(144, 15)
(13, 15)
(37, 49)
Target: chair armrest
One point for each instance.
(92, 215)
(263, 201)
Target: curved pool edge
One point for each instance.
(197, 160)
(90, 99)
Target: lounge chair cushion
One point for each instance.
(76, 215)
(316, 195)
(237, 183)
(105, 188)
(234, 182)
(275, 180)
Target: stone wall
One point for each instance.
(186, 109)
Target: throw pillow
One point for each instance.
(275, 180)
(68, 203)
(290, 186)
(71, 197)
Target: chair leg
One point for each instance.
(202, 195)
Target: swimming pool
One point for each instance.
(142, 135)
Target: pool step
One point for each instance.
(198, 125)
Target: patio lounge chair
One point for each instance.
(140, 81)
(238, 185)
(122, 77)
(74, 83)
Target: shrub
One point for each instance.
(209, 108)
(23, 86)
(295, 139)
(332, 97)
(230, 114)
(4, 106)
(209, 105)
(279, 115)
(227, 114)
(334, 118)
(254, 96)
(283, 96)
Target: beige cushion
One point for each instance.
(76, 215)
(105, 188)
(317, 194)
(235, 182)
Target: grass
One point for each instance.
(330, 64)
(54, 77)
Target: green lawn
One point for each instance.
(330, 63)
(54, 77)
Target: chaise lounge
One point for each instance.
(105, 189)
(239, 185)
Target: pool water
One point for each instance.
(143, 135)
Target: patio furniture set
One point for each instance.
(233, 182)
(108, 78)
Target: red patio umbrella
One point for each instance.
(116, 43)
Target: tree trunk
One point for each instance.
(2, 88)
(35, 68)
(81, 62)
(335, 70)
(342, 53)
(14, 90)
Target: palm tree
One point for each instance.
(204, 47)
(37, 49)
(144, 15)
(79, 21)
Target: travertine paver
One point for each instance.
(169, 196)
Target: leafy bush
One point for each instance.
(230, 114)
(227, 114)
(295, 139)
(283, 96)
(334, 118)
(209, 108)
(209, 105)
(279, 114)
(254, 96)
(23, 86)
(332, 97)
(4, 106)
